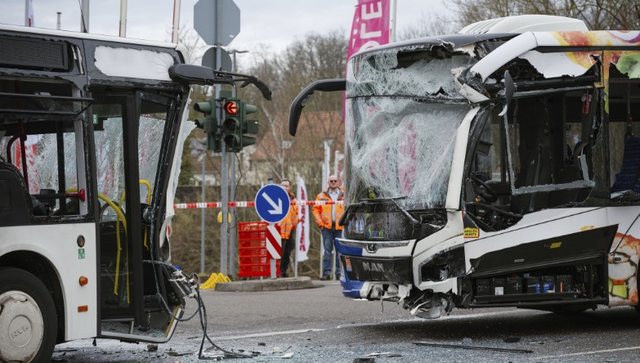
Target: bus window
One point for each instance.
(623, 106)
(550, 154)
(41, 147)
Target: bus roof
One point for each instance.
(525, 23)
(79, 35)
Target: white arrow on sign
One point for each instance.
(277, 208)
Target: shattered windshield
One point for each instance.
(403, 111)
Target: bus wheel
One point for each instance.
(28, 322)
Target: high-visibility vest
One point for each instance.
(322, 213)
(290, 221)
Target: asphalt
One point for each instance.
(286, 283)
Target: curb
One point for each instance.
(287, 283)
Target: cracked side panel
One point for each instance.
(552, 65)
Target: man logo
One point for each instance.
(373, 266)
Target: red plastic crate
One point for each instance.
(257, 270)
(251, 226)
(252, 235)
(254, 260)
(253, 257)
(248, 252)
(251, 242)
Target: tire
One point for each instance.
(28, 319)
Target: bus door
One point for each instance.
(130, 131)
(115, 119)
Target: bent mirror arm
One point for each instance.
(194, 74)
(325, 85)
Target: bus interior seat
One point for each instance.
(15, 201)
(627, 177)
(536, 171)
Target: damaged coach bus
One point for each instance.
(494, 167)
(90, 142)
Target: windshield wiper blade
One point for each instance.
(394, 201)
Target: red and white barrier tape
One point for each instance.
(206, 205)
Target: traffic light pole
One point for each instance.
(234, 224)
(224, 183)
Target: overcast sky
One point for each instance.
(275, 23)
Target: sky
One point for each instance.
(271, 23)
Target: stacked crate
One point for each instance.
(253, 258)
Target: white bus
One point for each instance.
(90, 127)
(510, 173)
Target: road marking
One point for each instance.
(588, 352)
(342, 326)
(270, 334)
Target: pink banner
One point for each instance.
(302, 230)
(370, 25)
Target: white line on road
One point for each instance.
(589, 352)
(342, 326)
(269, 334)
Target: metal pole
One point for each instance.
(202, 214)
(224, 185)
(394, 12)
(28, 13)
(84, 14)
(59, 20)
(234, 223)
(123, 19)
(176, 21)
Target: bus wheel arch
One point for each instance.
(28, 318)
(43, 269)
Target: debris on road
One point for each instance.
(152, 347)
(472, 347)
(384, 354)
(511, 339)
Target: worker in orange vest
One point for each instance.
(327, 217)
(288, 229)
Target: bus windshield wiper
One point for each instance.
(394, 200)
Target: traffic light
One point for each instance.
(209, 123)
(231, 126)
(249, 128)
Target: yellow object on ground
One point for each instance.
(215, 278)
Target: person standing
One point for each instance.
(288, 228)
(326, 217)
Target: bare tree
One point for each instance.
(314, 57)
(429, 25)
(597, 14)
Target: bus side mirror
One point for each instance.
(509, 90)
(325, 85)
(193, 74)
(509, 87)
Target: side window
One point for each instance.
(623, 108)
(549, 151)
(489, 160)
(42, 149)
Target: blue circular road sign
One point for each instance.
(272, 203)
